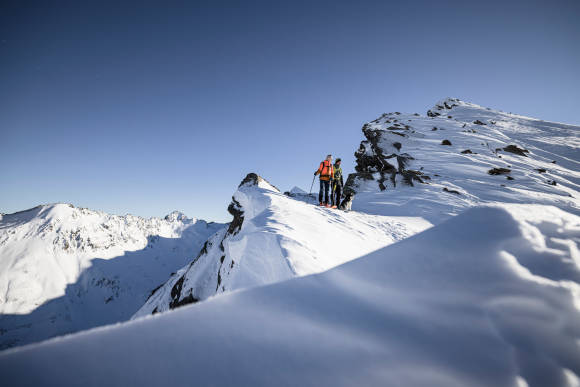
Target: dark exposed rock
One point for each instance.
(176, 289)
(397, 145)
(377, 162)
(509, 178)
(451, 191)
(176, 300)
(515, 150)
(553, 161)
(431, 113)
(541, 170)
(434, 128)
(235, 209)
(467, 152)
(552, 182)
(250, 179)
(445, 142)
(253, 179)
(478, 122)
(189, 299)
(499, 171)
(410, 175)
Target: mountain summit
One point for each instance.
(461, 155)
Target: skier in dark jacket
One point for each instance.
(337, 184)
(326, 172)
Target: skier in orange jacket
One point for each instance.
(326, 172)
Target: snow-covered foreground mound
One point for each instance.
(462, 155)
(487, 298)
(274, 237)
(63, 269)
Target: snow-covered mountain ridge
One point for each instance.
(274, 237)
(461, 155)
(64, 268)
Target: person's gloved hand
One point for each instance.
(315, 173)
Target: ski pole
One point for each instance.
(312, 185)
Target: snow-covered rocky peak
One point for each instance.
(274, 237)
(461, 155)
(64, 268)
(252, 179)
(176, 216)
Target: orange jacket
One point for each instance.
(326, 170)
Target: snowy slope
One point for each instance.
(401, 150)
(487, 298)
(274, 237)
(63, 269)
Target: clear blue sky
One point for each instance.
(146, 107)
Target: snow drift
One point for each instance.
(487, 298)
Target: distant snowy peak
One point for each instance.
(73, 229)
(176, 216)
(460, 155)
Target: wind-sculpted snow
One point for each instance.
(488, 298)
(274, 237)
(63, 269)
(462, 155)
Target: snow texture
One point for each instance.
(447, 179)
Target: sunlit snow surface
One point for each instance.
(553, 158)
